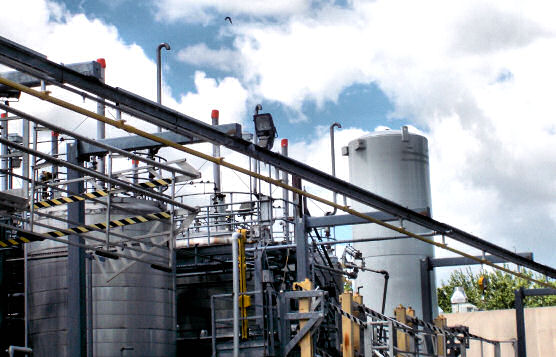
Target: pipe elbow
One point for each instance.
(163, 45)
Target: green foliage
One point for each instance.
(499, 293)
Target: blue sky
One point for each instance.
(476, 77)
(359, 105)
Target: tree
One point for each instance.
(499, 293)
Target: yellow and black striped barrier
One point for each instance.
(26, 237)
(95, 194)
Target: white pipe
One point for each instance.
(12, 349)
(235, 295)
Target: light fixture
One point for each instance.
(264, 128)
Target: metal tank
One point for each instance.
(132, 310)
(394, 165)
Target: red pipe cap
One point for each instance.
(284, 142)
(214, 114)
(55, 134)
(3, 115)
(102, 62)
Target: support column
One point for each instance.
(306, 343)
(520, 323)
(76, 313)
(302, 250)
(440, 322)
(426, 289)
(347, 325)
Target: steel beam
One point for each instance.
(76, 313)
(92, 69)
(346, 219)
(539, 292)
(22, 59)
(136, 142)
(455, 261)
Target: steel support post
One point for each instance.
(520, 323)
(426, 289)
(76, 313)
(426, 297)
(302, 249)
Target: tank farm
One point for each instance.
(120, 246)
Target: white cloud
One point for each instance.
(204, 11)
(66, 37)
(201, 55)
(477, 75)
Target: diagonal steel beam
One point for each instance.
(23, 59)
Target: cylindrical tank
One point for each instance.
(132, 309)
(394, 165)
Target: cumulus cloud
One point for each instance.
(203, 11)
(476, 76)
(68, 37)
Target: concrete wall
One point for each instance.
(540, 326)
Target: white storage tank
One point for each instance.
(395, 165)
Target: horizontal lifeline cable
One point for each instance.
(120, 124)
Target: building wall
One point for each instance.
(540, 327)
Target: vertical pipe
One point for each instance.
(285, 193)
(4, 151)
(333, 160)
(135, 167)
(25, 164)
(108, 201)
(89, 270)
(159, 74)
(172, 246)
(235, 295)
(216, 153)
(25, 247)
(54, 153)
(101, 126)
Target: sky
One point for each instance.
(474, 77)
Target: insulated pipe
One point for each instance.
(235, 295)
(4, 152)
(101, 110)
(54, 153)
(333, 160)
(216, 153)
(285, 193)
(159, 73)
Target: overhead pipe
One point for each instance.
(500, 252)
(235, 296)
(159, 73)
(333, 160)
